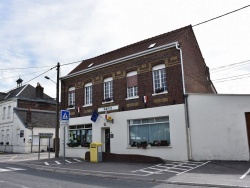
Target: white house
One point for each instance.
(25, 112)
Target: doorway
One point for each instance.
(107, 140)
(248, 127)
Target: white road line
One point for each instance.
(57, 162)
(46, 163)
(77, 160)
(193, 168)
(244, 175)
(68, 161)
(15, 168)
(12, 158)
(4, 170)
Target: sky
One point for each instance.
(36, 34)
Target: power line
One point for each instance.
(230, 66)
(221, 16)
(21, 75)
(232, 78)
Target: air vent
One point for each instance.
(152, 45)
(90, 65)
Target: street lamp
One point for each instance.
(57, 110)
(48, 78)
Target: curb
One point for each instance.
(82, 173)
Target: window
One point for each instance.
(4, 111)
(132, 84)
(88, 94)
(71, 101)
(80, 135)
(108, 89)
(159, 78)
(8, 114)
(153, 131)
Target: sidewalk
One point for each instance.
(207, 174)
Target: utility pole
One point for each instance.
(57, 143)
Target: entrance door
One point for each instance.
(107, 140)
(248, 127)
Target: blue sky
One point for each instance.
(40, 33)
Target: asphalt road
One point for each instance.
(15, 176)
(172, 174)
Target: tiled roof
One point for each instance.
(160, 40)
(39, 118)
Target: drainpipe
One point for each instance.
(189, 147)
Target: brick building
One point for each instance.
(139, 92)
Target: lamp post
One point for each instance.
(57, 110)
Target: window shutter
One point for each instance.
(132, 81)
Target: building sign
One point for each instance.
(108, 108)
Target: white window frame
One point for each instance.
(162, 84)
(88, 94)
(9, 112)
(4, 112)
(71, 97)
(108, 84)
(132, 92)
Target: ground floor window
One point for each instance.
(80, 135)
(150, 131)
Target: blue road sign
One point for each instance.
(65, 115)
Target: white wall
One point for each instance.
(218, 126)
(119, 144)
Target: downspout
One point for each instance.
(189, 147)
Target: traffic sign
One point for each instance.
(65, 115)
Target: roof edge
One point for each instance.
(120, 60)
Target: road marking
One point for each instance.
(244, 175)
(15, 168)
(193, 168)
(177, 168)
(46, 163)
(77, 160)
(68, 161)
(4, 170)
(57, 162)
(12, 158)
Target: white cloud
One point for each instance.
(43, 32)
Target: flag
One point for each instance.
(145, 99)
(94, 116)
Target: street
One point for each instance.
(14, 176)
(27, 171)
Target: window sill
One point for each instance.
(87, 105)
(130, 98)
(162, 93)
(107, 102)
(71, 108)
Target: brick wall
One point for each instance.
(143, 66)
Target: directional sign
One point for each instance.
(65, 115)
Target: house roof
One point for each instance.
(38, 118)
(24, 92)
(160, 40)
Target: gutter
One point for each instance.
(120, 60)
(185, 95)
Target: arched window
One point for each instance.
(88, 94)
(71, 100)
(159, 78)
(132, 84)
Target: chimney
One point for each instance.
(39, 91)
(28, 116)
